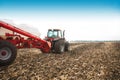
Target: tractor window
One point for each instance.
(60, 34)
(52, 34)
(55, 34)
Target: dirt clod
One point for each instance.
(85, 61)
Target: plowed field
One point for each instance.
(84, 61)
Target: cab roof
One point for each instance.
(54, 29)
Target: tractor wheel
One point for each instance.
(8, 53)
(59, 46)
(67, 45)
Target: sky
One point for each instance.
(81, 19)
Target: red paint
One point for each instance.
(3, 53)
(32, 41)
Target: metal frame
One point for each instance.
(20, 42)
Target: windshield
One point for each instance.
(52, 34)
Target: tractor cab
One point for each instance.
(54, 34)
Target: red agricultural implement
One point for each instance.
(9, 42)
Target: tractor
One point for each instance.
(58, 41)
(13, 40)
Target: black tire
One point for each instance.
(67, 45)
(8, 53)
(59, 46)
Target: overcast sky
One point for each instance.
(82, 19)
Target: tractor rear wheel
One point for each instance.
(59, 46)
(8, 53)
(67, 46)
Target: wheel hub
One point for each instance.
(5, 54)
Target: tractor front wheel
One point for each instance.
(8, 53)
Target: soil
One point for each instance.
(84, 61)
